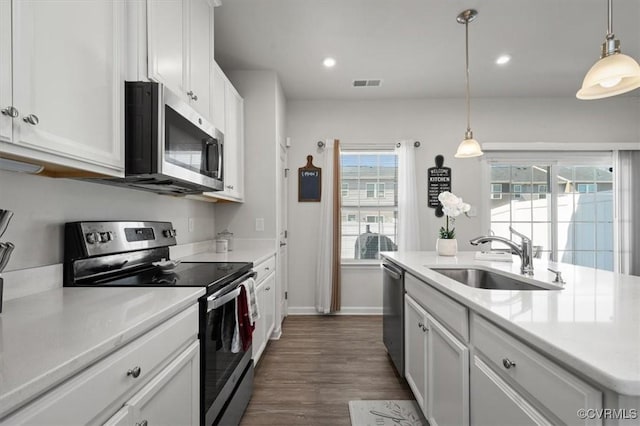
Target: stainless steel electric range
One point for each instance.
(124, 254)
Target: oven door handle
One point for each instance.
(214, 302)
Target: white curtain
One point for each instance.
(324, 267)
(627, 169)
(408, 222)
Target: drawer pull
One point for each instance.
(134, 372)
(508, 363)
(420, 325)
(142, 423)
(424, 329)
(266, 268)
(268, 288)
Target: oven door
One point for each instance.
(225, 367)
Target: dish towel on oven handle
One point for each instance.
(236, 345)
(245, 327)
(252, 300)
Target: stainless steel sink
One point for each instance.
(480, 278)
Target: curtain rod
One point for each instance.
(321, 144)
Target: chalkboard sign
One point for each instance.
(439, 181)
(309, 181)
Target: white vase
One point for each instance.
(447, 247)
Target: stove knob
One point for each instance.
(173, 233)
(91, 237)
(104, 237)
(110, 236)
(166, 233)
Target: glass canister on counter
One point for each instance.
(226, 235)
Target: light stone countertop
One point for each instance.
(50, 336)
(255, 251)
(592, 325)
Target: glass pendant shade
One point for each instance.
(612, 75)
(469, 148)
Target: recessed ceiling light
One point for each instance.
(503, 59)
(329, 62)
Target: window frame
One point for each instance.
(378, 188)
(555, 160)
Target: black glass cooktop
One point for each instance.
(212, 275)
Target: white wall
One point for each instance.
(439, 124)
(42, 205)
(259, 91)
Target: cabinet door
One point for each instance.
(167, 44)
(448, 377)
(6, 99)
(233, 143)
(415, 350)
(124, 417)
(495, 403)
(258, 341)
(68, 78)
(201, 56)
(219, 84)
(269, 305)
(173, 396)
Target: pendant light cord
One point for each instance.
(466, 28)
(610, 19)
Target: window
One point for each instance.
(374, 190)
(496, 191)
(568, 221)
(371, 203)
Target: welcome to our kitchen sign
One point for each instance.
(439, 181)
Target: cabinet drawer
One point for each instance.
(105, 384)
(263, 269)
(451, 313)
(562, 393)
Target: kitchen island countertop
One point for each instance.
(592, 325)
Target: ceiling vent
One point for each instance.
(367, 83)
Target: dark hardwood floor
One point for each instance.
(319, 364)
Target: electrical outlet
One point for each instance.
(190, 224)
(260, 224)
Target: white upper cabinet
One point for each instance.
(219, 102)
(6, 100)
(66, 77)
(234, 144)
(201, 57)
(167, 40)
(180, 50)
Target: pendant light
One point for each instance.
(614, 73)
(469, 147)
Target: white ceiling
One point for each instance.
(416, 46)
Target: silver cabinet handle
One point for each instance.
(229, 186)
(266, 268)
(508, 363)
(134, 372)
(420, 325)
(268, 288)
(192, 95)
(142, 423)
(31, 119)
(11, 111)
(424, 328)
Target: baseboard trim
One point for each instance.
(346, 310)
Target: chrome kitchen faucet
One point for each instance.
(524, 250)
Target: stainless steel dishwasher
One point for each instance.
(393, 313)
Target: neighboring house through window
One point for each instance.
(570, 216)
(369, 202)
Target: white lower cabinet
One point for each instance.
(436, 367)
(265, 292)
(154, 378)
(266, 295)
(415, 352)
(171, 398)
(495, 403)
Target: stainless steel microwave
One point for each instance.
(169, 147)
